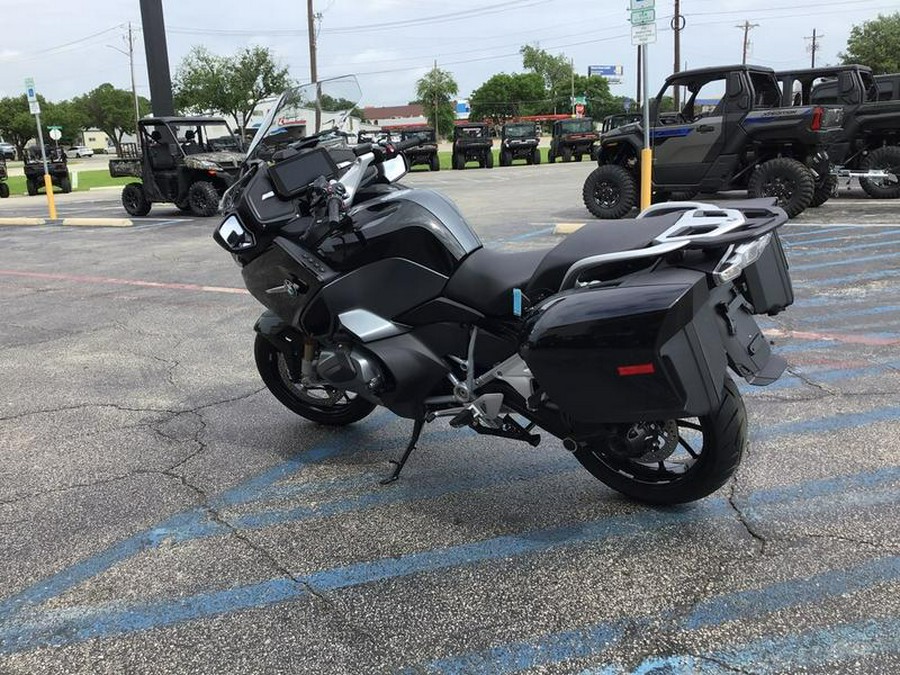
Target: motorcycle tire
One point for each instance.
(724, 437)
(888, 158)
(786, 179)
(610, 192)
(272, 369)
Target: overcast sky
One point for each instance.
(63, 44)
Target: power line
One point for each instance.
(747, 26)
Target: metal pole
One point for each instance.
(157, 57)
(313, 74)
(137, 110)
(814, 48)
(676, 28)
(437, 129)
(572, 66)
(647, 151)
(48, 181)
(638, 94)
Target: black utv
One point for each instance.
(572, 138)
(57, 166)
(4, 188)
(189, 161)
(742, 140)
(427, 153)
(472, 142)
(868, 147)
(519, 140)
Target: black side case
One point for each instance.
(768, 280)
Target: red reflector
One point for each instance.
(211, 172)
(818, 113)
(638, 369)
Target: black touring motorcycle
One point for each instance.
(620, 340)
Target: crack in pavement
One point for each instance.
(742, 519)
(808, 381)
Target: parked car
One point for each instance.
(7, 151)
(80, 151)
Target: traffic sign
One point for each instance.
(30, 91)
(643, 35)
(34, 107)
(636, 5)
(641, 17)
(55, 133)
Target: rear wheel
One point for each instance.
(434, 164)
(578, 157)
(824, 191)
(324, 405)
(551, 157)
(609, 192)
(489, 159)
(203, 199)
(134, 200)
(567, 154)
(4, 190)
(672, 461)
(458, 161)
(788, 180)
(505, 158)
(886, 159)
(31, 186)
(65, 184)
(536, 158)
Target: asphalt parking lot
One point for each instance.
(160, 512)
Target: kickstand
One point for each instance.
(398, 466)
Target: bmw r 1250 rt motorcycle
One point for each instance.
(621, 340)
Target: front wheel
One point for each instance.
(672, 461)
(434, 164)
(789, 181)
(609, 192)
(4, 190)
(203, 198)
(134, 200)
(323, 405)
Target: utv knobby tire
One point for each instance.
(32, 187)
(434, 164)
(505, 158)
(203, 198)
(724, 438)
(269, 363)
(459, 161)
(65, 184)
(609, 192)
(887, 158)
(789, 181)
(566, 154)
(184, 206)
(489, 160)
(536, 158)
(824, 191)
(4, 190)
(551, 157)
(134, 200)
(578, 157)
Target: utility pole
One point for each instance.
(747, 27)
(677, 25)
(313, 75)
(130, 55)
(814, 46)
(572, 65)
(637, 96)
(437, 129)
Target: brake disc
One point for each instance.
(661, 439)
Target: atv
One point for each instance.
(427, 153)
(4, 188)
(572, 138)
(189, 161)
(57, 167)
(742, 141)
(519, 140)
(472, 142)
(869, 146)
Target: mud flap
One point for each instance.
(749, 354)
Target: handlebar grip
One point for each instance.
(362, 148)
(334, 210)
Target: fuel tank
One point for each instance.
(421, 226)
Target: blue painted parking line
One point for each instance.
(850, 279)
(840, 250)
(847, 261)
(846, 237)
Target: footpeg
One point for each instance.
(463, 419)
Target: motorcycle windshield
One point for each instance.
(327, 106)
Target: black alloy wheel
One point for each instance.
(682, 460)
(203, 198)
(134, 200)
(609, 192)
(886, 159)
(789, 181)
(320, 404)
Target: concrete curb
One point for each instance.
(72, 222)
(567, 228)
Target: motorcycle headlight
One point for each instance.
(740, 257)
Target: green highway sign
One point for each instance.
(641, 17)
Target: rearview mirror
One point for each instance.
(394, 169)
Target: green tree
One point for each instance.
(231, 85)
(17, 125)
(555, 71)
(111, 111)
(71, 119)
(434, 92)
(876, 44)
(504, 96)
(600, 102)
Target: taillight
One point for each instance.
(818, 114)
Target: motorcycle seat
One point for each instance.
(486, 278)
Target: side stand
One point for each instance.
(417, 431)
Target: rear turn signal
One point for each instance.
(637, 369)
